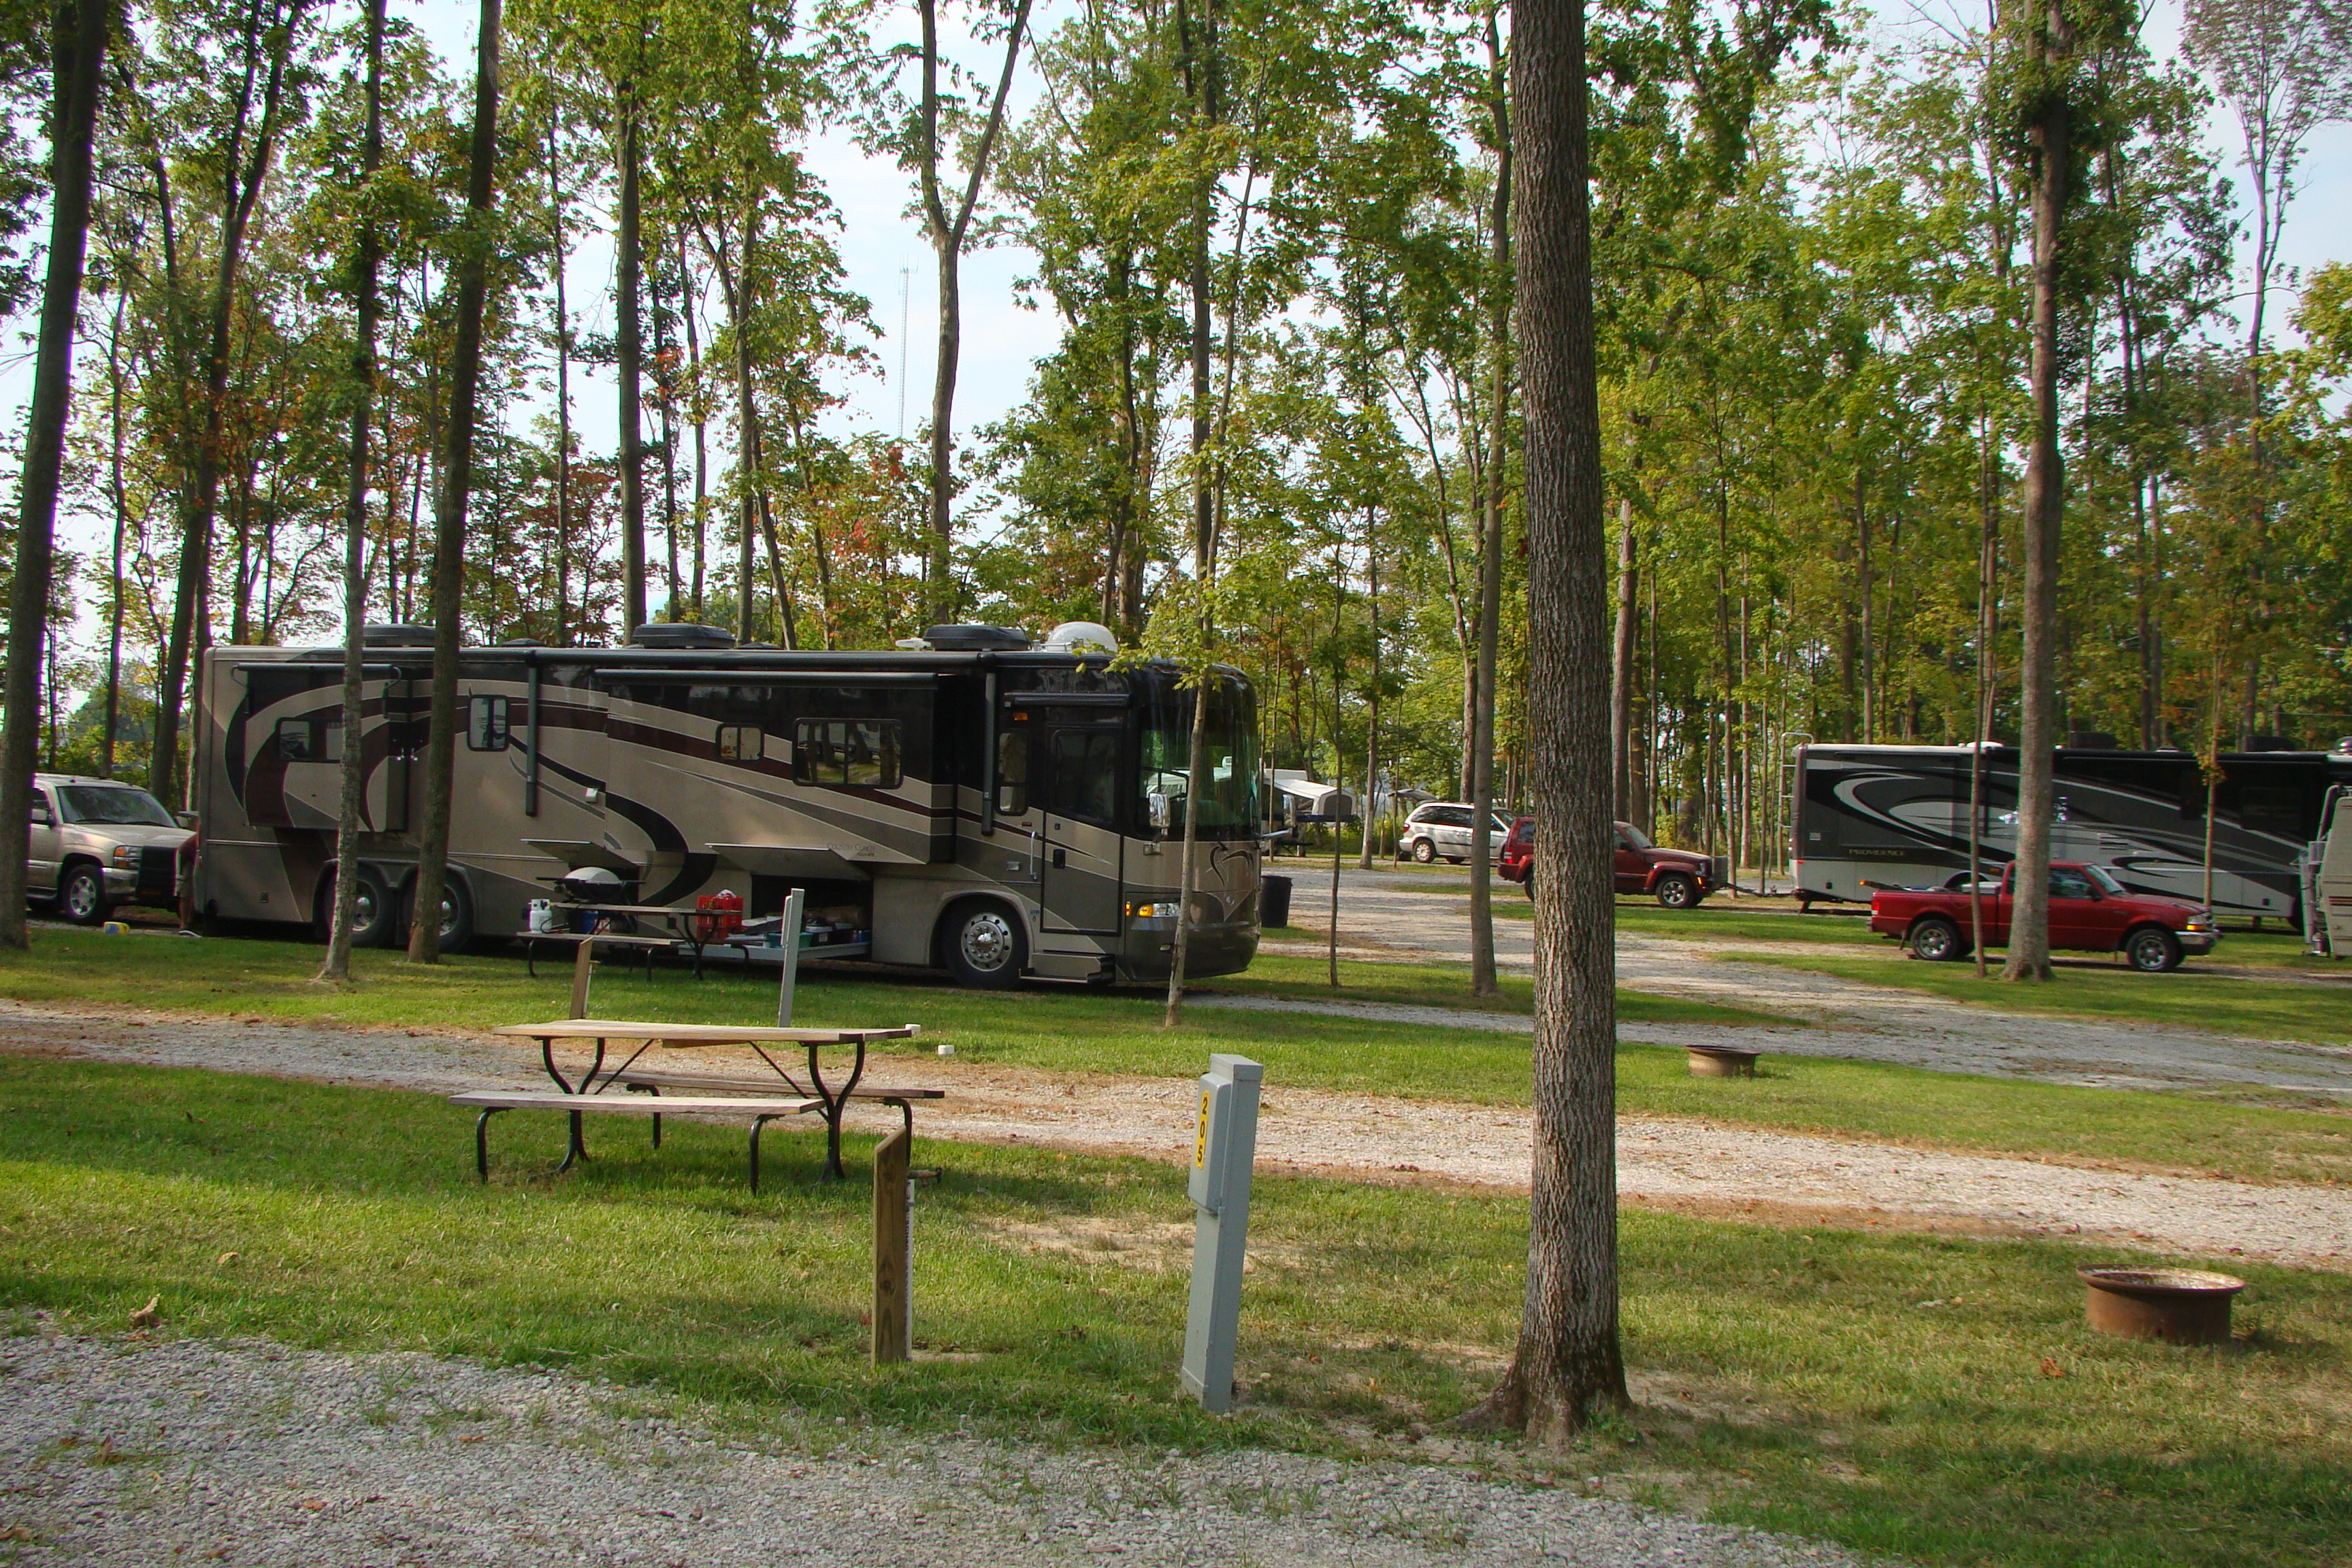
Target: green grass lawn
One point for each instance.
(1939, 1398)
(1068, 1029)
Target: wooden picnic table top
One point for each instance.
(701, 1033)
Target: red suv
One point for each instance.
(1676, 877)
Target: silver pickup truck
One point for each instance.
(97, 843)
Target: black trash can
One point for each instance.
(1274, 901)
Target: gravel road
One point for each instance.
(117, 1454)
(1702, 1166)
(1391, 920)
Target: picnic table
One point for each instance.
(682, 923)
(830, 1100)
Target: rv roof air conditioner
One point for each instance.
(976, 639)
(380, 635)
(680, 634)
(1081, 637)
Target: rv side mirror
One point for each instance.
(1162, 813)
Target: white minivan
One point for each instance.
(1442, 829)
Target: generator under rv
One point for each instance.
(1899, 815)
(971, 805)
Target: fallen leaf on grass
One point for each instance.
(148, 1316)
(2050, 1368)
(226, 1258)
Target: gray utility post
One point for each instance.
(1224, 1151)
(789, 981)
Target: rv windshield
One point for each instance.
(1230, 754)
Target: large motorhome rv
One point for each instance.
(1899, 815)
(971, 802)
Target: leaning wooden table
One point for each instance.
(607, 1032)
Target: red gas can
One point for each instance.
(719, 915)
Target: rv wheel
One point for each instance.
(985, 947)
(457, 915)
(372, 925)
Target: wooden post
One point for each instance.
(584, 961)
(894, 1220)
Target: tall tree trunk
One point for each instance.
(562, 399)
(1568, 1366)
(353, 782)
(1865, 590)
(1490, 549)
(700, 422)
(948, 236)
(2050, 132)
(116, 494)
(449, 520)
(77, 50)
(1202, 67)
(627, 350)
(1365, 811)
(665, 388)
(1621, 664)
(241, 181)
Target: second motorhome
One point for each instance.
(975, 803)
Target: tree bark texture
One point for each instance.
(77, 48)
(1568, 1365)
(2051, 131)
(1621, 664)
(449, 520)
(1490, 545)
(1201, 85)
(629, 351)
(353, 782)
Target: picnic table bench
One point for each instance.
(490, 1103)
(641, 1081)
(645, 1036)
(649, 945)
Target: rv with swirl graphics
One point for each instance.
(969, 803)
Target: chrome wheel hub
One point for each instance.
(987, 942)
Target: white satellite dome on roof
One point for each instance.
(1081, 637)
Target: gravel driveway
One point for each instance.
(119, 1454)
(1848, 1017)
(1675, 1163)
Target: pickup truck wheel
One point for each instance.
(1676, 891)
(2153, 950)
(1938, 940)
(81, 896)
(1423, 851)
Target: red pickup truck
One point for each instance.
(2090, 911)
(1676, 877)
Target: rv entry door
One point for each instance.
(1081, 838)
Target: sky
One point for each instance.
(889, 262)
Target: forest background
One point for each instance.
(1812, 246)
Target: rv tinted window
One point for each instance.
(486, 724)
(1013, 771)
(1085, 775)
(861, 751)
(740, 743)
(295, 741)
(331, 740)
